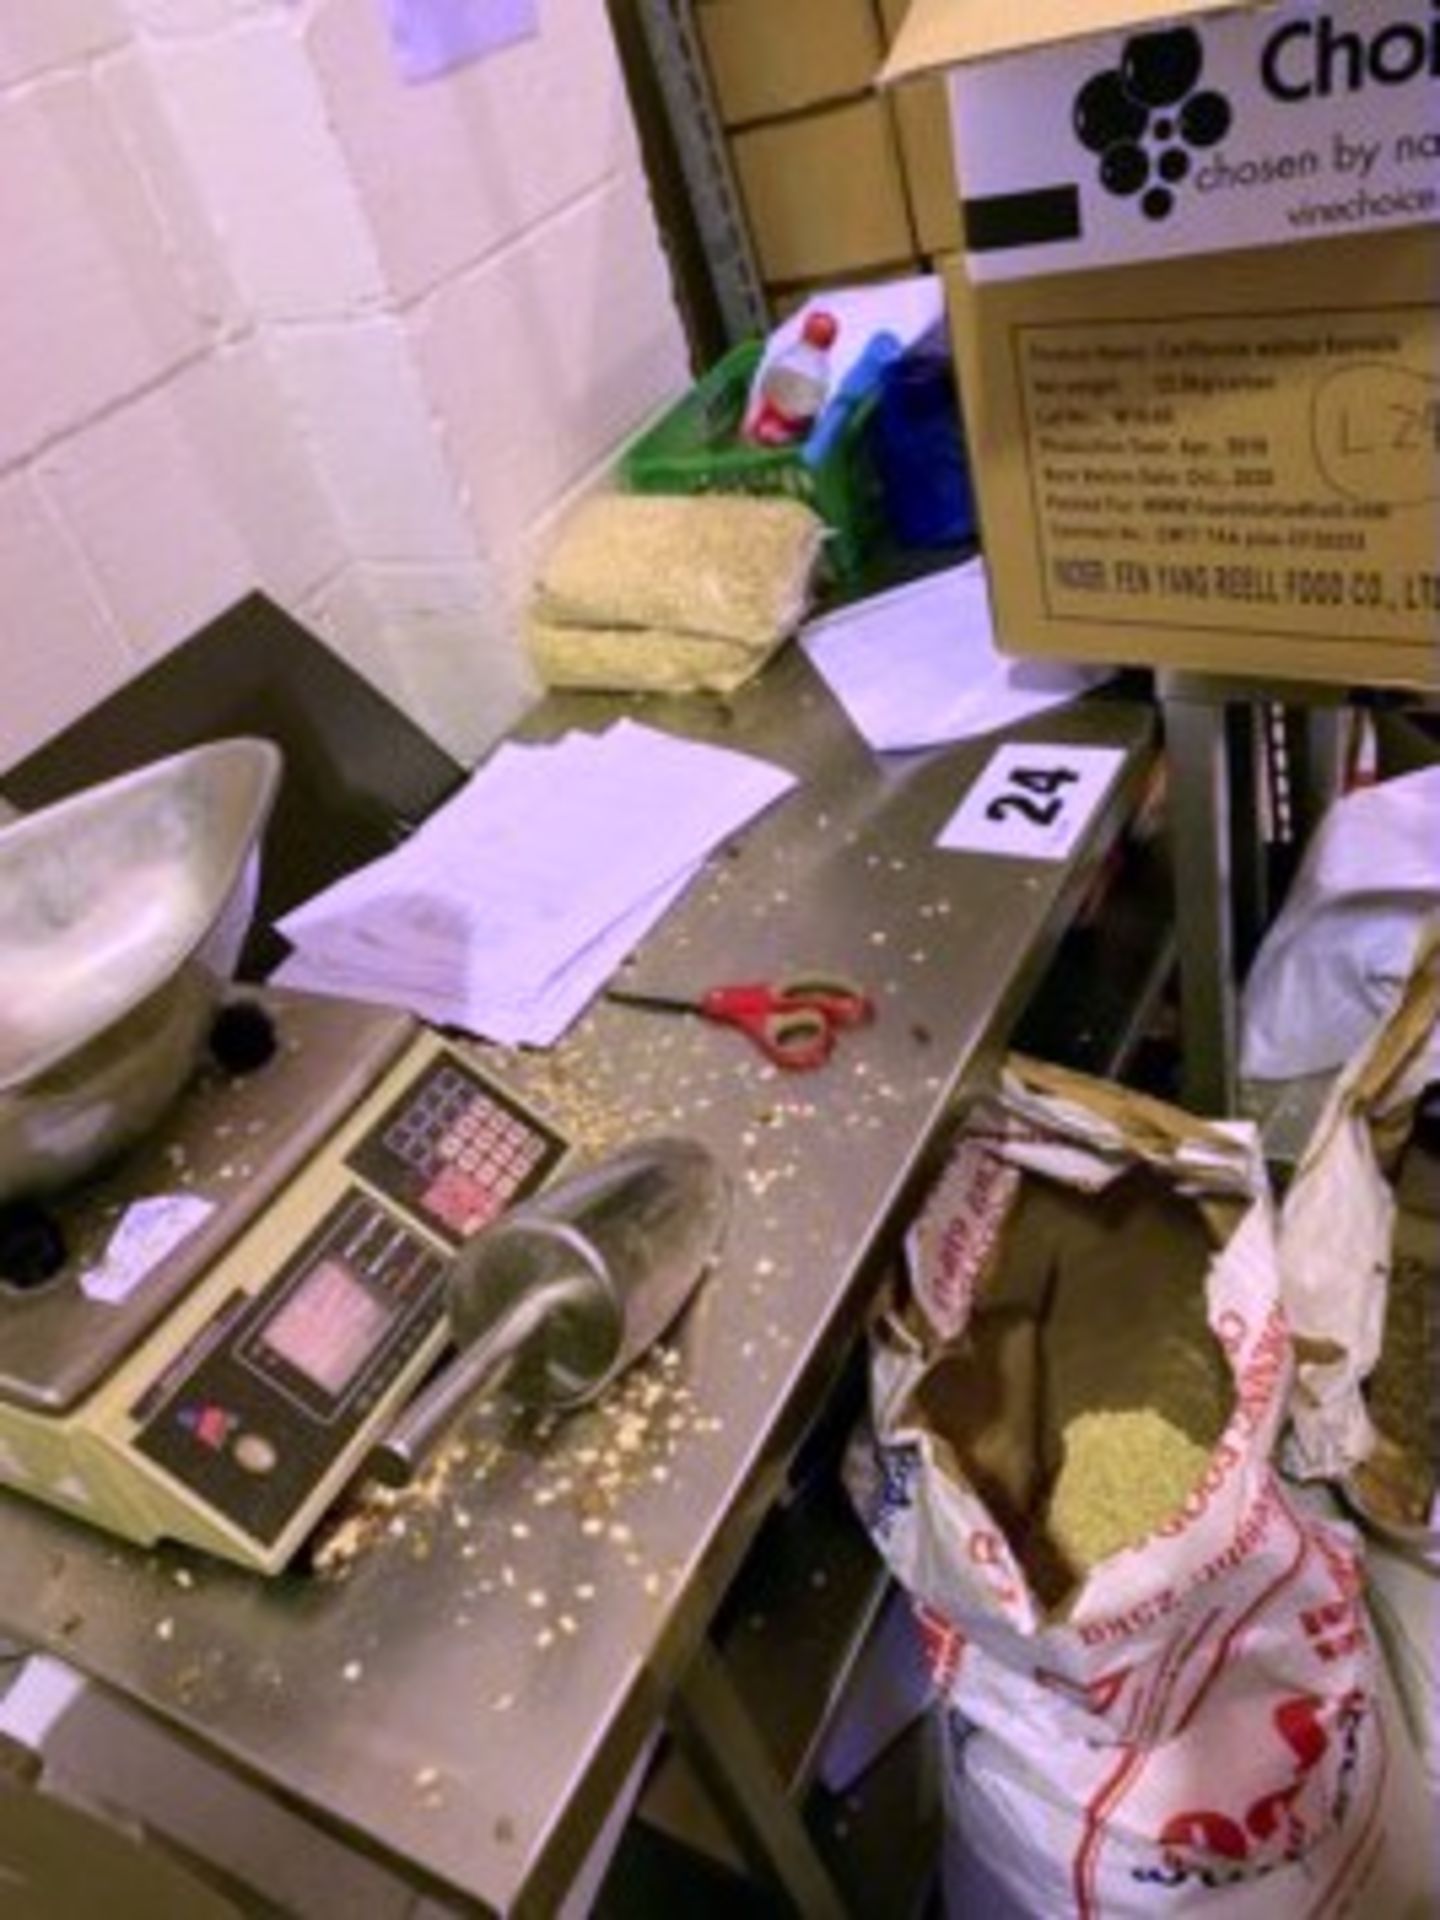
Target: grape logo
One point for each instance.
(1146, 118)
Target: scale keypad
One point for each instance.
(456, 1150)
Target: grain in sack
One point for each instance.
(1154, 1669)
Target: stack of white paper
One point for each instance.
(515, 901)
(918, 667)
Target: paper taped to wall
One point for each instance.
(432, 37)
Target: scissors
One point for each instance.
(794, 1022)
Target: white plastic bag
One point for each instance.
(1337, 1228)
(1335, 961)
(1192, 1728)
(1405, 1603)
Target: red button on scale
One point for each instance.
(209, 1424)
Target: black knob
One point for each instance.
(242, 1037)
(32, 1246)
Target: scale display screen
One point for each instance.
(267, 1396)
(329, 1326)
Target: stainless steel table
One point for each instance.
(469, 1697)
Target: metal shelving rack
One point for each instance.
(683, 84)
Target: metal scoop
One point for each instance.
(564, 1293)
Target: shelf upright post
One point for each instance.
(695, 126)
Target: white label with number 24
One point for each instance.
(1032, 802)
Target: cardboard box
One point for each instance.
(823, 192)
(922, 120)
(1196, 325)
(765, 60)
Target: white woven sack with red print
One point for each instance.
(1193, 1729)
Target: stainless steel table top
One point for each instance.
(466, 1692)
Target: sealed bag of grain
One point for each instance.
(1155, 1670)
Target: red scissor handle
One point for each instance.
(794, 1023)
(841, 1001)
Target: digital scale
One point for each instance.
(251, 1295)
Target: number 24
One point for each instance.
(1046, 782)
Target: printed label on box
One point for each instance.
(1275, 472)
(1244, 129)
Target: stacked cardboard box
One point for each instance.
(1197, 328)
(922, 120)
(818, 153)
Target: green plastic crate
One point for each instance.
(695, 448)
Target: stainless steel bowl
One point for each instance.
(122, 913)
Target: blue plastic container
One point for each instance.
(918, 447)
